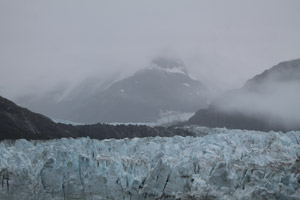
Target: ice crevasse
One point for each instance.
(223, 164)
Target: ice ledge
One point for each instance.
(224, 164)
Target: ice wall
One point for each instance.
(221, 165)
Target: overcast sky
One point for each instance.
(48, 43)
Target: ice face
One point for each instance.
(223, 164)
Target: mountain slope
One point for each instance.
(269, 101)
(17, 122)
(164, 88)
(145, 96)
(62, 100)
(20, 123)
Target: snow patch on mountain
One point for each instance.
(224, 164)
(169, 70)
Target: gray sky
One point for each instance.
(48, 43)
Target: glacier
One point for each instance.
(217, 164)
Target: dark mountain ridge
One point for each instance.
(20, 123)
(17, 122)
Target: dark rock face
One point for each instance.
(269, 101)
(165, 86)
(19, 123)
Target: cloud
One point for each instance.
(45, 44)
(275, 101)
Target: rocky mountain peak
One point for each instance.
(283, 72)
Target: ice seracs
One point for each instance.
(223, 164)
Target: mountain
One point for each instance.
(164, 88)
(268, 101)
(19, 123)
(146, 96)
(63, 99)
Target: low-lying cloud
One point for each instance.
(275, 102)
(49, 44)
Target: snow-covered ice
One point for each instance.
(223, 164)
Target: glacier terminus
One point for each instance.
(217, 164)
